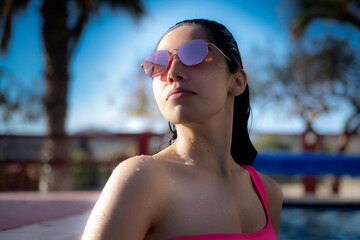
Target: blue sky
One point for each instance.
(105, 67)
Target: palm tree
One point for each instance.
(60, 41)
(307, 11)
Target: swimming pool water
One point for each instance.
(319, 224)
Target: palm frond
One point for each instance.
(133, 6)
(8, 8)
(306, 11)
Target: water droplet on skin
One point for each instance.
(96, 225)
(189, 162)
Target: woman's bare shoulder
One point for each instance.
(131, 167)
(139, 175)
(271, 186)
(130, 201)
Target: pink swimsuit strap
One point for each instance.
(267, 232)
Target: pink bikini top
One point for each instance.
(267, 232)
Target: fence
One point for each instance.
(90, 157)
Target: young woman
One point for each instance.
(202, 185)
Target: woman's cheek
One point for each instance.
(159, 91)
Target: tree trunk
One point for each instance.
(56, 75)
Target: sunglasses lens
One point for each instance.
(156, 63)
(190, 53)
(193, 52)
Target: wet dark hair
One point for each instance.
(242, 150)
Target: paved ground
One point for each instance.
(19, 209)
(67, 228)
(349, 188)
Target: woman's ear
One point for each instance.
(238, 83)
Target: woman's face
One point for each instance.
(187, 94)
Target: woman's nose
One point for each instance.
(176, 71)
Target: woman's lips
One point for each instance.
(178, 92)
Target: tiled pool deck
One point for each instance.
(56, 215)
(63, 215)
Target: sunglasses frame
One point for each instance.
(170, 55)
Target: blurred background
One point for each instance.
(74, 101)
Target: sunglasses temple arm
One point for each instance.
(221, 52)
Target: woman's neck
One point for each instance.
(206, 145)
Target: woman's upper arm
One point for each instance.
(275, 199)
(127, 205)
